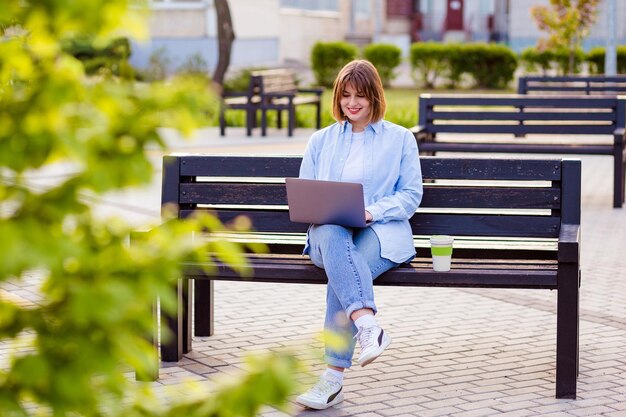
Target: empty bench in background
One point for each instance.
(489, 117)
(572, 84)
(271, 90)
(516, 224)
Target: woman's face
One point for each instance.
(356, 107)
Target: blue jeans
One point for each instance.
(351, 259)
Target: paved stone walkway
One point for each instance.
(455, 352)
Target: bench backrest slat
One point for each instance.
(458, 224)
(520, 115)
(275, 81)
(591, 85)
(527, 114)
(239, 166)
(440, 168)
(553, 129)
(518, 100)
(468, 197)
(438, 196)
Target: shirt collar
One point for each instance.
(376, 126)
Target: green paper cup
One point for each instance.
(441, 250)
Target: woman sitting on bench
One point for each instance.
(360, 147)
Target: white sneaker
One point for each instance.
(326, 393)
(373, 341)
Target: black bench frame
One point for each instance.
(522, 115)
(548, 225)
(574, 84)
(248, 101)
(271, 90)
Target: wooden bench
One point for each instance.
(573, 84)
(516, 224)
(490, 118)
(272, 90)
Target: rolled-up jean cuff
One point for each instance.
(360, 305)
(340, 363)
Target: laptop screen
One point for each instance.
(325, 202)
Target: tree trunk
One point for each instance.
(572, 56)
(225, 38)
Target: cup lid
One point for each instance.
(441, 240)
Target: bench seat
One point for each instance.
(466, 272)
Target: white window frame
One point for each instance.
(310, 8)
(180, 5)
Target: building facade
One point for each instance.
(280, 32)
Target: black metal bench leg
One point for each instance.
(279, 119)
(186, 314)
(567, 327)
(203, 307)
(250, 121)
(172, 346)
(263, 122)
(291, 123)
(619, 173)
(222, 121)
(318, 118)
(152, 374)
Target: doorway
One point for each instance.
(454, 15)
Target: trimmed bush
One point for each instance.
(595, 58)
(456, 64)
(429, 62)
(535, 60)
(491, 65)
(327, 58)
(386, 58)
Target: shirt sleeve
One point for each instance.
(408, 189)
(307, 168)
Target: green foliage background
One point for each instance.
(386, 58)
(327, 59)
(596, 57)
(94, 319)
(541, 61)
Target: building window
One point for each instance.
(363, 8)
(321, 5)
(178, 4)
(177, 1)
(400, 8)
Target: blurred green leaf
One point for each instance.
(93, 322)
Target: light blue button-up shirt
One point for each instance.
(392, 180)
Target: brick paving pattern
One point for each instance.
(455, 352)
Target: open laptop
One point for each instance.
(325, 202)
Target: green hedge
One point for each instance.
(386, 58)
(535, 61)
(429, 62)
(489, 65)
(327, 58)
(595, 58)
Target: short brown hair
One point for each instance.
(365, 79)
